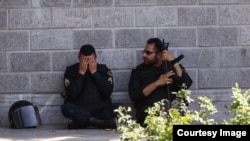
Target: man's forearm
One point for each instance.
(178, 69)
(103, 84)
(150, 88)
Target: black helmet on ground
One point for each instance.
(23, 114)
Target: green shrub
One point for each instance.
(240, 107)
(160, 122)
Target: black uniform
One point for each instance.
(88, 95)
(142, 76)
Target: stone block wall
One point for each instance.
(39, 38)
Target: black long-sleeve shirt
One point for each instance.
(88, 89)
(144, 75)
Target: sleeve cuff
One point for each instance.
(96, 75)
(80, 76)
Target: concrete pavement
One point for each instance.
(57, 133)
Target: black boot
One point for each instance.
(103, 124)
(73, 125)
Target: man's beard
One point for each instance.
(151, 62)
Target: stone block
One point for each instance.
(121, 97)
(121, 79)
(132, 38)
(29, 61)
(14, 40)
(178, 37)
(47, 82)
(234, 57)
(175, 2)
(244, 78)
(217, 98)
(234, 15)
(8, 99)
(218, 1)
(139, 56)
(91, 3)
(218, 36)
(244, 1)
(47, 99)
(52, 115)
(223, 78)
(200, 58)
(193, 73)
(218, 78)
(14, 3)
(222, 114)
(3, 21)
(245, 35)
(116, 59)
(60, 60)
(71, 18)
(97, 38)
(223, 111)
(134, 2)
(3, 61)
(113, 17)
(55, 3)
(197, 16)
(155, 16)
(4, 121)
(12, 83)
(223, 95)
(51, 39)
(30, 18)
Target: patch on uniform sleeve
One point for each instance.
(110, 80)
(66, 82)
(109, 73)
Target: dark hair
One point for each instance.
(87, 50)
(157, 42)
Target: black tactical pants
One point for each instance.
(82, 115)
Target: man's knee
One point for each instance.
(67, 109)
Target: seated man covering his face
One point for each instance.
(89, 86)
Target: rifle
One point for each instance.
(164, 46)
